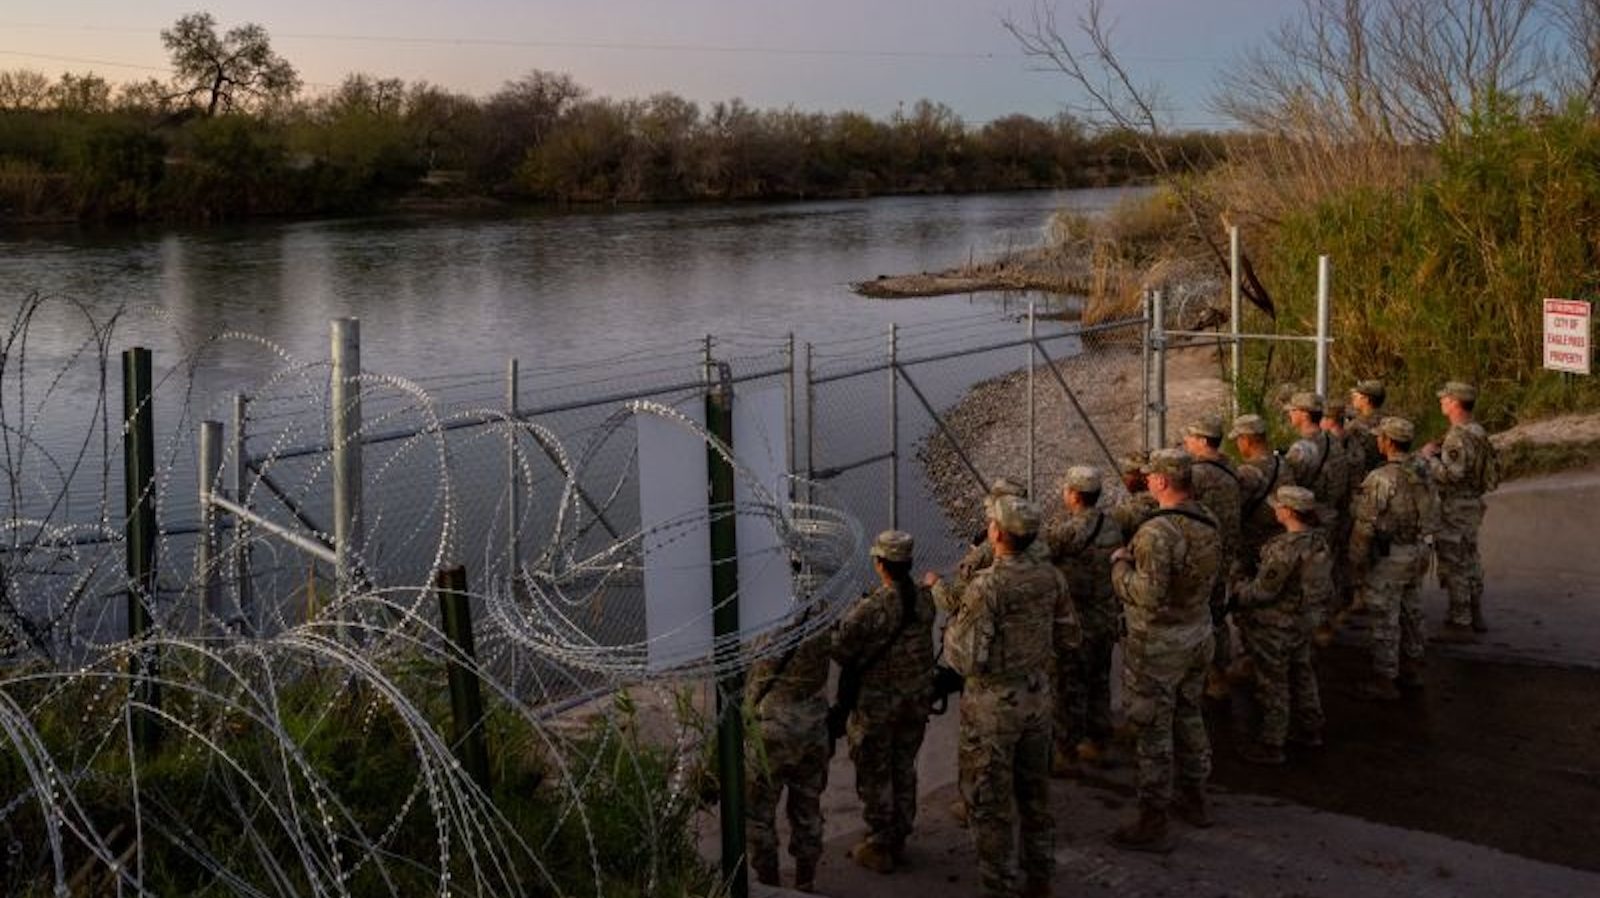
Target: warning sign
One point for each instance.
(1566, 335)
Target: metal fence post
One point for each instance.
(1158, 344)
(789, 409)
(894, 427)
(244, 599)
(1233, 318)
(1323, 310)
(466, 699)
(346, 432)
(1032, 403)
(725, 623)
(1145, 359)
(209, 576)
(513, 478)
(811, 421)
(139, 495)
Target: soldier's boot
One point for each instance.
(1262, 753)
(1036, 888)
(1455, 633)
(1192, 806)
(872, 856)
(1377, 689)
(1411, 673)
(1146, 833)
(1064, 764)
(805, 875)
(766, 870)
(958, 810)
(1478, 623)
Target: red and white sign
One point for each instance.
(1567, 341)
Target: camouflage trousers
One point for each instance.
(1004, 760)
(1460, 570)
(1344, 585)
(1221, 632)
(1388, 592)
(1286, 683)
(884, 751)
(799, 765)
(1161, 687)
(1083, 692)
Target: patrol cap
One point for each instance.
(1294, 498)
(1372, 389)
(1247, 425)
(893, 545)
(1456, 389)
(1082, 479)
(1007, 486)
(1208, 426)
(1309, 402)
(1396, 428)
(1132, 463)
(1016, 515)
(1169, 462)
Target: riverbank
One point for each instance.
(1034, 269)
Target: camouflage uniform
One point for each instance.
(1259, 478)
(1385, 557)
(1295, 575)
(1216, 488)
(1166, 594)
(1005, 627)
(1463, 472)
(1081, 544)
(1133, 511)
(891, 715)
(789, 725)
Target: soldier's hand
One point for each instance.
(1431, 450)
(930, 579)
(1121, 554)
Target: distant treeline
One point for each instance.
(78, 149)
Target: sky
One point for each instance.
(874, 56)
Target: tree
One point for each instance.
(230, 71)
(23, 89)
(81, 94)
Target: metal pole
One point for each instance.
(1033, 408)
(139, 495)
(725, 623)
(346, 432)
(206, 554)
(1158, 311)
(244, 599)
(1144, 370)
(1237, 310)
(894, 427)
(811, 421)
(789, 409)
(513, 478)
(1322, 325)
(466, 699)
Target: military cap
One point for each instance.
(893, 545)
(1132, 463)
(1294, 498)
(1245, 425)
(1372, 389)
(1208, 426)
(1334, 406)
(1082, 479)
(1456, 389)
(1006, 486)
(1016, 515)
(1396, 428)
(1309, 402)
(1169, 462)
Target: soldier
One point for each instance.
(1294, 577)
(884, 646)
(1132, 510)
(1366, 398)
(1333, 424)
(1464, 468)
(788, 703)
(1261, 474)
(1164, 579)
(1385, 556)
(1318, 460)
(980, 555)
(1081, 543)
(1005, 627)
(1216, 487)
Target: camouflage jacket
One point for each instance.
(1320, 465)
(1012, 620)
(1363, 444)
(1259, 479)
(902, 678)
(1216, 486)
(1133, 511)
(795, 704)
(1294, 580)
(1389, 512)
(1081, 544)
(1464, 470)
(1166, 588)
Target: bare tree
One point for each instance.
(229, 71)
(22, 89)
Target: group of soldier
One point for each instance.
(1280, 548)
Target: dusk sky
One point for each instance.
(868, 55)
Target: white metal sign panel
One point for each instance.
(1567, 343)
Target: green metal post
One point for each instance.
(725, 623)
(466, 701)
(139, 495)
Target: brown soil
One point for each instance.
(1030, 270)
